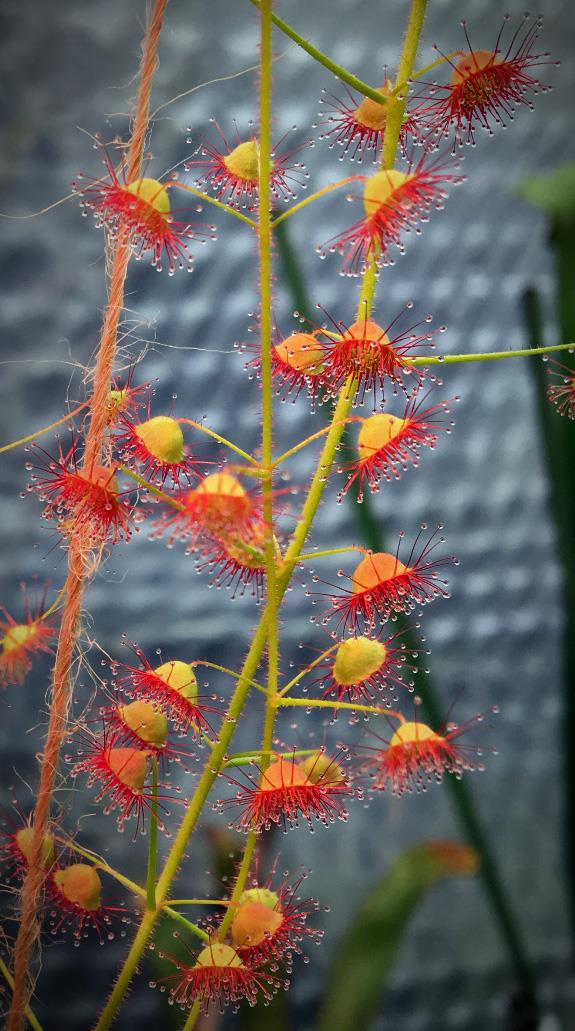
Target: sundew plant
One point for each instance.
(119, 464)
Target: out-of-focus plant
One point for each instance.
(369, 947)
(129, 463)
(554, 194)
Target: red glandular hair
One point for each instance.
(85, 501)
(561, 390)
(139, 212)
(382, 585)
(231, 170)
(416, 755)
(389, 444)
(374, 357)
(486, 87)
(219, 975)
(287, 791)
(20, 642)
(395, 202)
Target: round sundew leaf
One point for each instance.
(244, 161)
(380, 188)
(146, 721)
(151, 192)
(80, 884)
(24, 842)
(163, 438)
(320, 768)
(356, 659)
(253, 923)
(180, 677)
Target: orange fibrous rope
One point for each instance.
(73, 589)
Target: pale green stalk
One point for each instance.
(153, 839)
(30, 1015)
(321, 58)
(396, 112)
(490, 356)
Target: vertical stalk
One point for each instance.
(265, 247)
(73, 588)
(397, 111)
(264, 228)
(153, 842)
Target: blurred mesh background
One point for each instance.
(67, 73)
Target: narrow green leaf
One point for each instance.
(370, 945)
(554, 194)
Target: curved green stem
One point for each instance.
(196, 902)
(30, 1015)
(490, 356)
(216, 203)
(248, 758)
(313, 197)
(317, 703)
(230, 672)
(426, 68)
(264, 223)
(303, 443)
(153, 839)
(396, 111)
(150, 487)
(304, 672)
(331, 551)
(191, 927)
(221, 440)
(45, 429)
(318, 55)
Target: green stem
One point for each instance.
(150, 487)
(197, 902)
(318, 55)
(216, 203)
(426, 68)
(221, 440)
(313, 197)
(45, 429)
(316, 703)
(264, 222)
(230, 672)
(396, 111)
(489, 356)
(303, 443)
(330, 551)
(304, 672)
(191, 927)
(153, 839)
(249, 758)
(30, 1015)
(193, 1015)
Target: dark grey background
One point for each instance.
(70, 67)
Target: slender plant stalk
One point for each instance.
(153, 839)
(396, 112)
(491, 356)
(321, 58)
(45, 429)
(61, 688)
(30, 1015)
